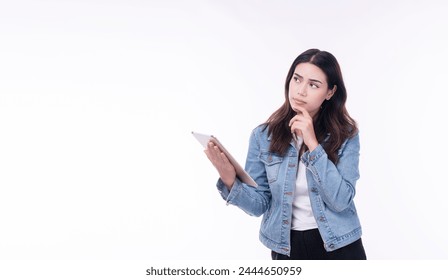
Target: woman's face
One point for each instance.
(308, 88)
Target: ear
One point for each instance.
(331, 92)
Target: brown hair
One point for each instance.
(332, 119)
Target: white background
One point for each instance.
(98, 99)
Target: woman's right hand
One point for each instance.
(222, 164)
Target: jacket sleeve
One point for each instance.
(252, 200)
(335, 183)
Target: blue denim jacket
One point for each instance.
(331, 189)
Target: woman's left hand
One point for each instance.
(302, 125)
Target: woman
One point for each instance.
(305, 161)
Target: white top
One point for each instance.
(302, 214)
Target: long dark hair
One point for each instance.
(332, 119)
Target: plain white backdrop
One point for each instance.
(98, 99)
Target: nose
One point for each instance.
(301, 90)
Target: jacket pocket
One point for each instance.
(272, 165)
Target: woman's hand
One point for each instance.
(302, 125)
(222, 164)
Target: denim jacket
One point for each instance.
(331, 190)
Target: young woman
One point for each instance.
(305, 161)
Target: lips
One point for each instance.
(298, 102)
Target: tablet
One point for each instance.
(204, 139)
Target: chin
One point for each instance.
(297, 110)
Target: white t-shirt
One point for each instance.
(302, 214)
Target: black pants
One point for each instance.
(308, 245)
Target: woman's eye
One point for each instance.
(313, 86)
(296, 79)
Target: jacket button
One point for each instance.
(314, 190)
(312, 157)
(322, 219)
(285, 222)
(331, 246)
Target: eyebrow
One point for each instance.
(313, 80)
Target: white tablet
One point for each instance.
(204, 139)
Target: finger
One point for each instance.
(295, 127)
(219, 157)
(210, 155)
(303, 111)
(297, 132)
(225, 159)
(294, 119)
(212, 152)
(291, 121)
(298, 125)
(209, 148)
(292, 127)
(297, 119)
(218, 153)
